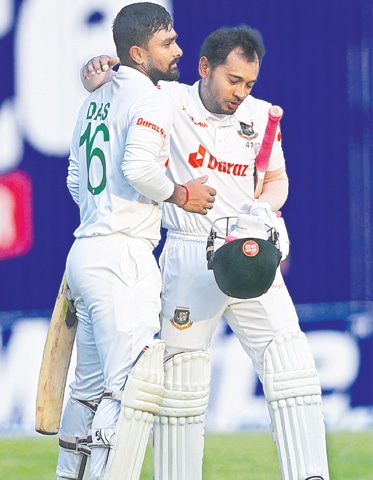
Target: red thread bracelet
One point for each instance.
(186, 196)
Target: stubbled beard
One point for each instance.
(168, 76)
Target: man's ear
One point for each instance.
(204, 67)
(137, 54)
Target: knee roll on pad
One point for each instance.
(292, 389)
(179, 427)
(140, 401)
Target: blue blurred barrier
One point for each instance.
(340, 335)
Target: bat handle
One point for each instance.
(274, 116)
(275, 113)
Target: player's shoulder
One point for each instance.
(146, 96)
(174, 89)
(140, 86)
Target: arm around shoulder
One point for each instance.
(97, 71)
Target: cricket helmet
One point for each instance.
(245, 267)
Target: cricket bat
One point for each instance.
(55, 364)
(274, 116)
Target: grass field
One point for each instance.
(244, 456)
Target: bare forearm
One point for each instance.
(95, 81)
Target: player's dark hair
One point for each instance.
(221, 42)
(135, 24)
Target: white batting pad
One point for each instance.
(178, 439)
(293, 393)
(140, 401)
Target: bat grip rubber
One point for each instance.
(274, 116)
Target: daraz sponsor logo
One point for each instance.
(196, 160)
(153, 126)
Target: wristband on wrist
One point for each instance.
(186, 196)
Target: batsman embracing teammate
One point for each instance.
(218, 126)
(117, 177)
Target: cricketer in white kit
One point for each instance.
(117, 177)
(192, 304)
(110, 267)
(218, 127)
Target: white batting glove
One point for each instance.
(249, 226)
(262, 210)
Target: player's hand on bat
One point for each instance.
(97, 71)
(201, 197)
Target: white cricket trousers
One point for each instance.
(115, 283)
(189, 290)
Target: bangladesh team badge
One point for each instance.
(181, 319)
(247, 131)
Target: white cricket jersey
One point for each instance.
(224, 147)
(117, 161)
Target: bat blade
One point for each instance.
(55, 365)
(275, 114)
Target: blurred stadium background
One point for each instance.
(318, 67)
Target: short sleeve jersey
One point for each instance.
(117, 161)
(224, 147)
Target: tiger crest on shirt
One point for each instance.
(247, 131)
(181, 319)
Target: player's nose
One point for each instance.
(240, 93)
(178, 51)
